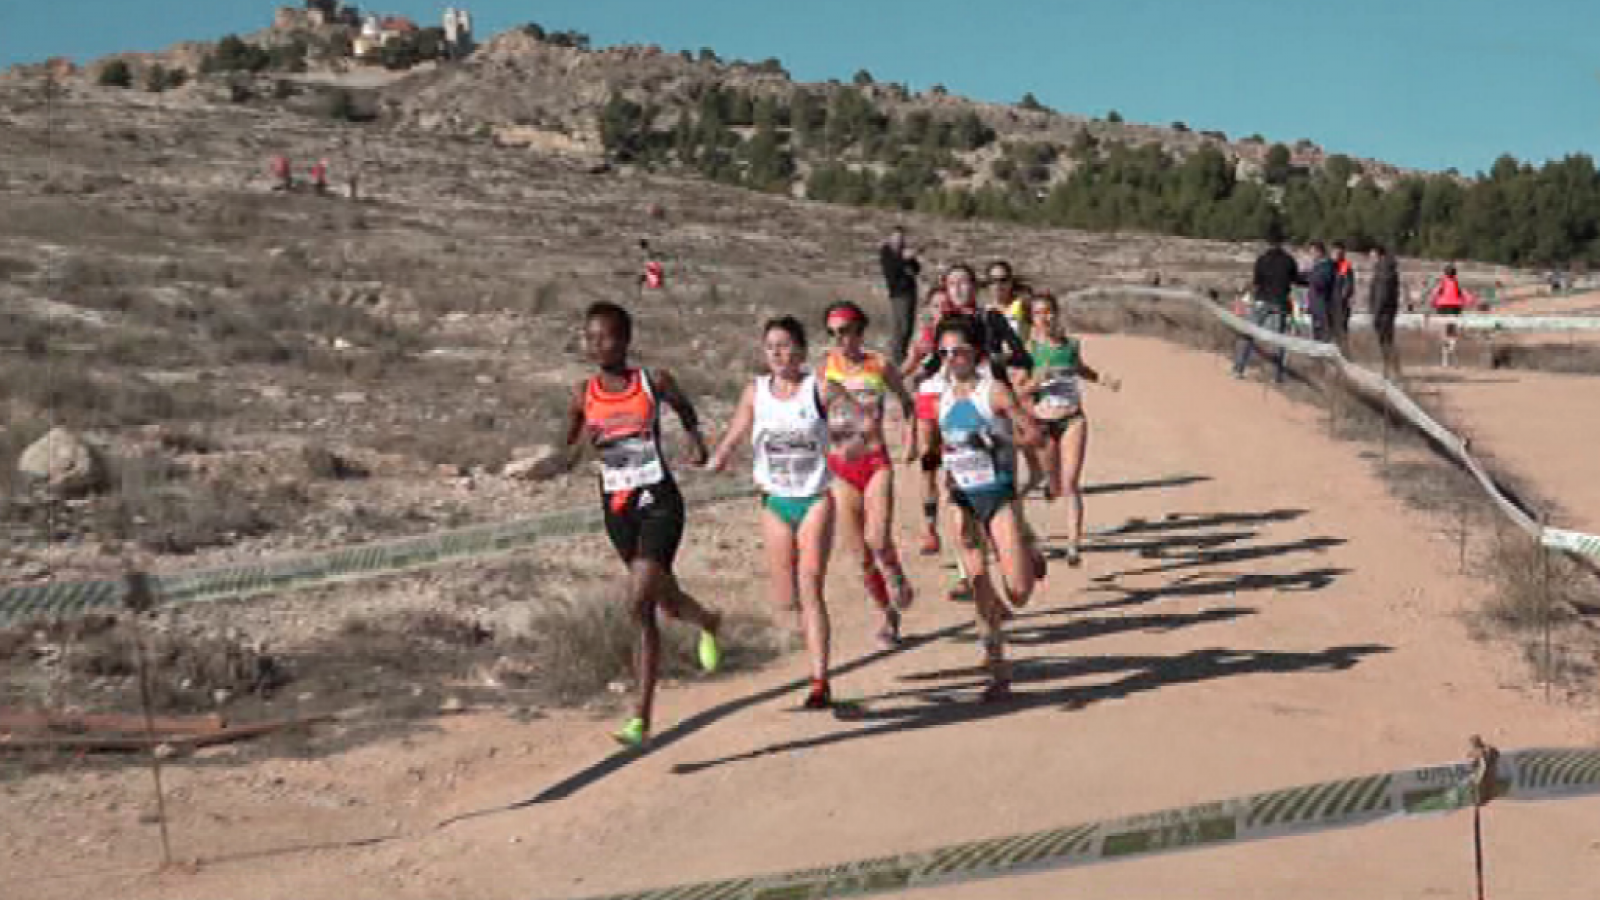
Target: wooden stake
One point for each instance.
(138, 599)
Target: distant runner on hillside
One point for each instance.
(282, 173)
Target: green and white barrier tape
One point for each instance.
(1523, 776)
(1572, 542)
(1489, 322)
(71, 598)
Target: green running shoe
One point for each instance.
(632, 734)
(709, 652)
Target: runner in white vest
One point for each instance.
(783, 415)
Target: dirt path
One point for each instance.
(1276, 619)
(1544, 427)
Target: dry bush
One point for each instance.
(568, 654)
(1533, 583)
(154, 505)
(98, 658)
(15, 269)
(79, 398)
(574, 651)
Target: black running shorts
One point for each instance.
(647, 523)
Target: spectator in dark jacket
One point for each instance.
(900, 270)
(1276, 274)
(1321, 283)
(1344, 294)
(1383, 299)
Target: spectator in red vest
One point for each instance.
(1448, 298)
(319, 176)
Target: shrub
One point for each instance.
(234, 55)
(116, 74)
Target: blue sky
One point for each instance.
(1425, 83)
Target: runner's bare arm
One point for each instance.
(578, 441)
(914, 361)
(1005, 402)
(744, 418)
(908, 411)
(1095, 375)
(673, 396)
(897, 387)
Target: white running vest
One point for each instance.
(790, 438)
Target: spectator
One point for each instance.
(1448, 298)
(1383, 300)
(1344, 294)
(900, 270)
(1321, 282)
(1276, 274)
(282, 173)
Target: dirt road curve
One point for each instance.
(1544, 426)
(1278, 620)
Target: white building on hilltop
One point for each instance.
(457, 32)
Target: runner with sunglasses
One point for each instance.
(617, 412)
(783, 416)
(958, 295)
(982, 422)
(856, 382)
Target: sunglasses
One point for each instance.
(955, 350)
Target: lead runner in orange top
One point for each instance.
(617, 411)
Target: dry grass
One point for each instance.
(95, 661)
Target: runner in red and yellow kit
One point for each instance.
(855, 383)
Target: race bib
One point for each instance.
(971, 468)
(1058, 391)
(630, 463)
(793, 460)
